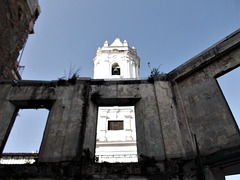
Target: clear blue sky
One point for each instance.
(165, 32)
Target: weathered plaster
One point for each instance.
(169, 110)
(16, 22)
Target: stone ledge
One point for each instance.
(206, 57)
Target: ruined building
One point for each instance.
(184, 127)
(16, 22)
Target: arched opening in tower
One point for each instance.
(116, 69)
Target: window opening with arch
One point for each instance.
(116, 69)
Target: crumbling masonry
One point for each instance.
(185, 129)
(16, 22)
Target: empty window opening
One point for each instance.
(115, 69)
(25, 138)
(116, 135)
(115, 125)
(230, 86)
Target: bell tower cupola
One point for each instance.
(117, 60)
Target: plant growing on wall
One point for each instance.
(155, 73)
(70, 76)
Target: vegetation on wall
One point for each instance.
(156, 74)
(70, 76)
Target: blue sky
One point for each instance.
(165, 32)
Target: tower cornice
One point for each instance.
(117, 60)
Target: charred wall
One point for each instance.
(16, 22)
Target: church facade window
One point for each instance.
(115, 125)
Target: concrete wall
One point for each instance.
(138, 93)
(203, 110)
(61, 139)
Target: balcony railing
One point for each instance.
(119, 158)
(18, 158)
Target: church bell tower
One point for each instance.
(117, 60)
(116, 131)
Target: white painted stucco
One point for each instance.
(120, 53)
(116, 145)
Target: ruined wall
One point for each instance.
(16, 22)
(202, 108)
(169, 110)
(66, 103)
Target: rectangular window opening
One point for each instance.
(115, 125)
(25, 138)
(231, 88)
(116, 135)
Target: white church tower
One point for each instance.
(117, 60)
(116, 131)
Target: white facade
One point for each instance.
(116, 132)
(117, 60)
(18, 158)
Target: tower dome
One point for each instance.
(117, 60)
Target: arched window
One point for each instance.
(115, 69)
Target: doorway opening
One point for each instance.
(116, 135)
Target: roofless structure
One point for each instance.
(184, 127)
